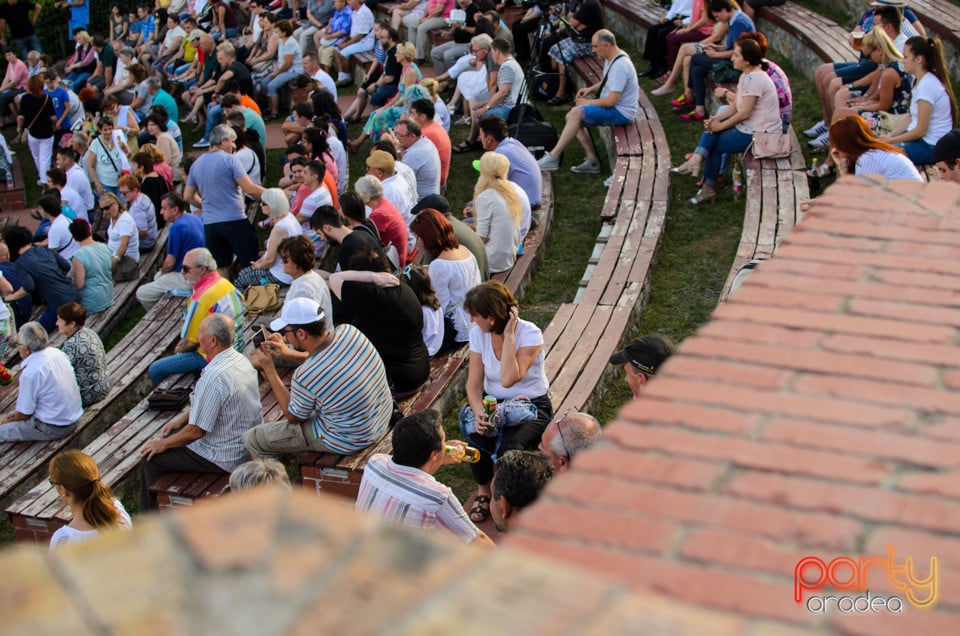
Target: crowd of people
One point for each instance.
(413, 277)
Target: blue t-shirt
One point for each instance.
(61, 101)
(186, 233)
(524, 170)
(215, 175)
(43, 271)
(740, 23)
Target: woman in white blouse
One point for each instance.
(498, 212)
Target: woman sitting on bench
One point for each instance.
(93, 507)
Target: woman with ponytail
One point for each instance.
(77, 479)
(933, 107)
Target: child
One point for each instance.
(419, 281)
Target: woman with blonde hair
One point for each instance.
(94, 508)
(498, 212)
(440, 106)
(409, 91)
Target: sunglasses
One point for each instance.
(185, 269)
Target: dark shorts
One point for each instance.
(231, 238)
(852, 71)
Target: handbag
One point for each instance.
(724, 73)
(168, 399)
(773, 145)
(261, 298)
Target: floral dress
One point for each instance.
(387, 117)
(89, 360)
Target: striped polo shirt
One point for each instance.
(343, 387)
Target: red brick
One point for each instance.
(740, 551)
(711, 369)
(918, 313)
(891, 393)
(916, 279)
(741, 452)
(944, 484)
(885, 261)
(902, 248)
(871, 504)
(672, 471)
(771, 297)
(898, 330)
(858, 288)
(911, 449)
(892, 349)
(690, 415)
(951, 379)
(738, 330)
(752, 401)
(854, 226)
(912, 621)
(705, 587)
(820, 361)
(720, 511)
(815, 271)
(837, 242)
(610, 528)
(947, 428)
(919, 545)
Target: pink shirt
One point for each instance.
(695, 14)
(18, 73)
(448, 6)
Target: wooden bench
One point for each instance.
(39, 512)
(804, 36)
(625, 16)
(775, 190)
(13, 196)
(341, 474)
(24, 464)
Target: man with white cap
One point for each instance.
(338, 401)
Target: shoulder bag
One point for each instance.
(775, 145)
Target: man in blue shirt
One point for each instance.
(524, 170)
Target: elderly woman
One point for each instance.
(384, 215)
(42, 272)
(289, 65)
(92, 269)
(82, 63)
(93, 508)
(498, 212)
(453, 272)
(389, 315)
(506, 362)
(384, 118)
(269, 267)
(38, 118)
(85, 350)
(123, 238)
(757, 109)
(105, 159)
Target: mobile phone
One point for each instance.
(259, 338)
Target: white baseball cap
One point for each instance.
(299, 311)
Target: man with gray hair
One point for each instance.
(257, 472)
(216, 185)
(48, 403)
(567, 435)
(224, 405)
(211, 294)
(419, 154)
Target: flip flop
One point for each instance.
(480, 510)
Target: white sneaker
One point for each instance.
(548, 163)
(820, 142)
(818, 129)
(608, 181)
(589, 166)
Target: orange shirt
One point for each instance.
(436, 134)
(250, 103)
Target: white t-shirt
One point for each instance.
(622, 78)
(326, 81)
(291, 226)
(890, 165)
(929, 89)
(533, 385)
(362, 24)
(173, 34)
(65, 535)
(59, 238)
(432, 329)
(72, 198)
(451, 281)
(311, 285)
(525, 205)
(48, 388)
(124, 226)
(495, 223)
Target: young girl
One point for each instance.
(77, 479)
(419, 281)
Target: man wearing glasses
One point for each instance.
(641, 358)
(186, 233)
(567, 435)
(419, 154)
(338, 401)
(211, 294)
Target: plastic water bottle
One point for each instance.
(737, 180)
(8, 176)
(815, 179)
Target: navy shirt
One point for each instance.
(44, 272)
(23, 308)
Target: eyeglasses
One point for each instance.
(559, 421)
(124, 192)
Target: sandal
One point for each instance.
(480, 510)
(466, 146)
(681, 102)
(559, 100)
(823, 170)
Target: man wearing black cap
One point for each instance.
(641, 359)
(946, 154)
(466, 236)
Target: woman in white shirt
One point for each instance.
(933, 107)
(506, 362)
(123, 238)
(498, 211)
(76, 478)
(855, 150)
(269, 267)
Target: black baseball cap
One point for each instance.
(646, 354)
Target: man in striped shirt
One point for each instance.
(224, 404)
(402, 489)
(338, 401)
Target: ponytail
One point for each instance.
(98, 509)
(78, 473)
(935, 62)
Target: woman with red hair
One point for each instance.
(856, 150)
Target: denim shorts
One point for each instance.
(601, 116)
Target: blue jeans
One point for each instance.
(919, 151)
(700, 67)
(713, 146)
(27, 44)
(272, 86)
(382, 95)
(76, 80)
(214, 118)
(175, 69)
(177, 363)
